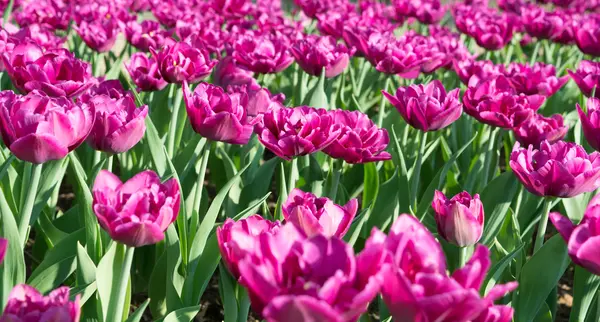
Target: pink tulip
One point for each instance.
(259, 101)
(7, 44)
(481, 69)
(292, 132)
(315, 216)
(40, 35)
(232, 8)
(460, 219)
(144, 73)
(313, 7)
(261, 53)
(582, 240)
(26, 304)
(495, 102)
(56, 73)
(427, 107)
(110, 88)
(426, 11)
(587, 77)
(332, 23)
(3, 247)
(587, 35)
(360, 140)
(146, 34)
(180, 61)
(590, 122)
(539, 128)
(562, 169)
(137, 212)
(217, 115)
(538, 78)
(314, 53)
(228, 73)
(99, 35)
(37, 128)
(53, 13)
(490, 29)
(394, 56)
(238, 238)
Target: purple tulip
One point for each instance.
(56, 73)
(37, 128)
(232, 8)
(314, 53)
(587, 77)
(111, 88)
(538, 23)
(426, 11)
(582, 240)
(228, 73)
(590, 122)
(144, 73)
(332, 23)
(427, 107)
(26, 304)
(481, 69)
(217, 115)
(587, 35)
(460, 219)
(495, 102)
(146, 34)
(562, 169)
(52, 13)
(3, 247)
(40, 35)
(490, 29)
(313, 7)
(360, 141)
(99, 35)
(539, 128)
(180, 61)
(292, 132)
(394, 56)
(318, 216)
(259, 101)
(137, 212)
(538, 78)
(262, 54)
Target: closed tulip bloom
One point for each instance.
(144, 73)
(536, 79)
(427, 107)
(314, 53)
(562, 169)
(315, 216)
(37, 128)
(99, 35)
(292, 132)
(495, 102)
(587, 77)
(539, 128)
(135, 213)
(238, 238)
(146, 34)
(460, 219)
(56, 73)
(262, 54)
(587, 35)
(228, 73)
(582, 240)
(590, 122)
(360, 141)
(25, 304)
(3, 247)
(217, 115)
(180, 61)
(480, 69)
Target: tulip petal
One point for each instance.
(38, 148)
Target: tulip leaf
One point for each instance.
(575, 206)
(371, 184)
(227, 292)
(12, 270)
(260, 183)
(52, 175)
(185, 314)
(385, 209)
(496, 271)
(496, 204)
(251, 210)
(584, 289)
(137, 315)
(357, 226)
(317, 97)
(538, 276)
(156, 146)
(86, 270)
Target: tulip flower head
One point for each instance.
(55, 14)
(37, 128)
(261, 53)
(460, 219)
(40, 35)
(536, 79)
(25, 303)
(539, 128)
(427, 107)
(587, 35)
(590, 122)
(180, 61)
(426, 11)
(562, 169)
(145, 73)
(394, 56)
(228, 73)
(259, 99)
(314, 54)
(587, 77)
(135, 213)
(100, 35)
(146, 34)
(480, 69)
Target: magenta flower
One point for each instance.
(582, 240)
(180, 61)
(538, 23)
(228, 73)
(110, 88)
(144, 73)
(297, 131)
(318, 216)
(261, 54)
(427, 107)
(590, 122)
(426, 11)
(238, 238)
(562, 169)
(146, 34)
(313, 7)
(3, 247)
(490, 29)
(217, 115)
(539, 128)
(394, 56)
(481, 69)
(587, 35)
(314, 53)
(137, 212)
(360, 140)
(332, 23)
(537, 79)
(495, 102)
(99, 35)
(460, 219)
(37, 128)
(53, 13)
(587, 77)
(259, 99)
(26, 304)
(56, 73)
(232, 8)
(40, 35)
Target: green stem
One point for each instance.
(337, 172)
(535, 52)
(381, 114)
(292, 175)
(174, 115)
(109, 162)
(116, 304)
(463, 256)
(489, 153)
(97, 158)
(539, 238)
(417, 171)
(36, 173)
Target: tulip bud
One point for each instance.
(144, 73)
(25, 304)
(460, 219)
(539, 128)
(137, 212)
(587, 77)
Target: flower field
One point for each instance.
(300, 161)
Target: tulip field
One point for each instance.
(300, 160)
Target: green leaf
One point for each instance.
(86, 270)
(156, 147)
(538, 276)
(317, 97)
(575, 206)
(356, 227)
(495, 273)
(227, 292)
(371, 187)
(261, 182)
(384, 209)
(496, 204)
(185, 314)
(253, 208)
(584, 289)
(12, 270)
(139, 312)
(85, 292)
(109, 275)
(52, 175)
